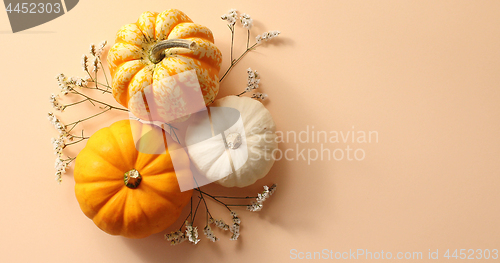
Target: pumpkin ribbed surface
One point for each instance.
(133, 71)
(112, 153)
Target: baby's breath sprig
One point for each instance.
(176, 237)
(191, 232)
(96, 65)
(54, 101)
(231, 17)
(253, 82)
(209, 233)
(259, 96)
(235, 228)
(247, 22)
(266, 36)
(60, 166)
(261, 197)
(74, 86)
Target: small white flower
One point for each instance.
(230, 17)
(209, 233)
(63, 84)
(58, 144)
(84, 62)
(236, 219)
(51, 117)
(101, 48)
(267, 36)
(58, 177)
(253, 80)
(92, 49)
(55, 102)
(235, 229)
(61, 79)
(60, 166)
(246, 21)
(80, 82)
(65, 90)
(262, 197)
(220, 224)
(260, 96)
(192, 233)
(176, 238)
(57, 123)
(103, 44)
(254, 207)
(272, 189)
(95, 64)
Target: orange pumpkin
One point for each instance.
(148, 53)
(128, 186)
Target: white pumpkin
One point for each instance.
(238, 148)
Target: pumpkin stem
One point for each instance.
(132, 179)
(156, 53)
(233, 140)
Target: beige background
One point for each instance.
(423, 74)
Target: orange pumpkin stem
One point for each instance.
(132, 179)
(156, 54)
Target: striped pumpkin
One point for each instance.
(149, 62)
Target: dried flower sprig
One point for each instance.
(176, 237)
(191, 232)
(54, 101)
(60, 166)
(75, 86)
(267, 36)
(84, 62)
(254, 207)
(247, 22)
(210, 234)
(261, 197)
(235, 228)
(259, 96)
(58, 125)
(253, 82)
(221, 224)
(230, 17)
